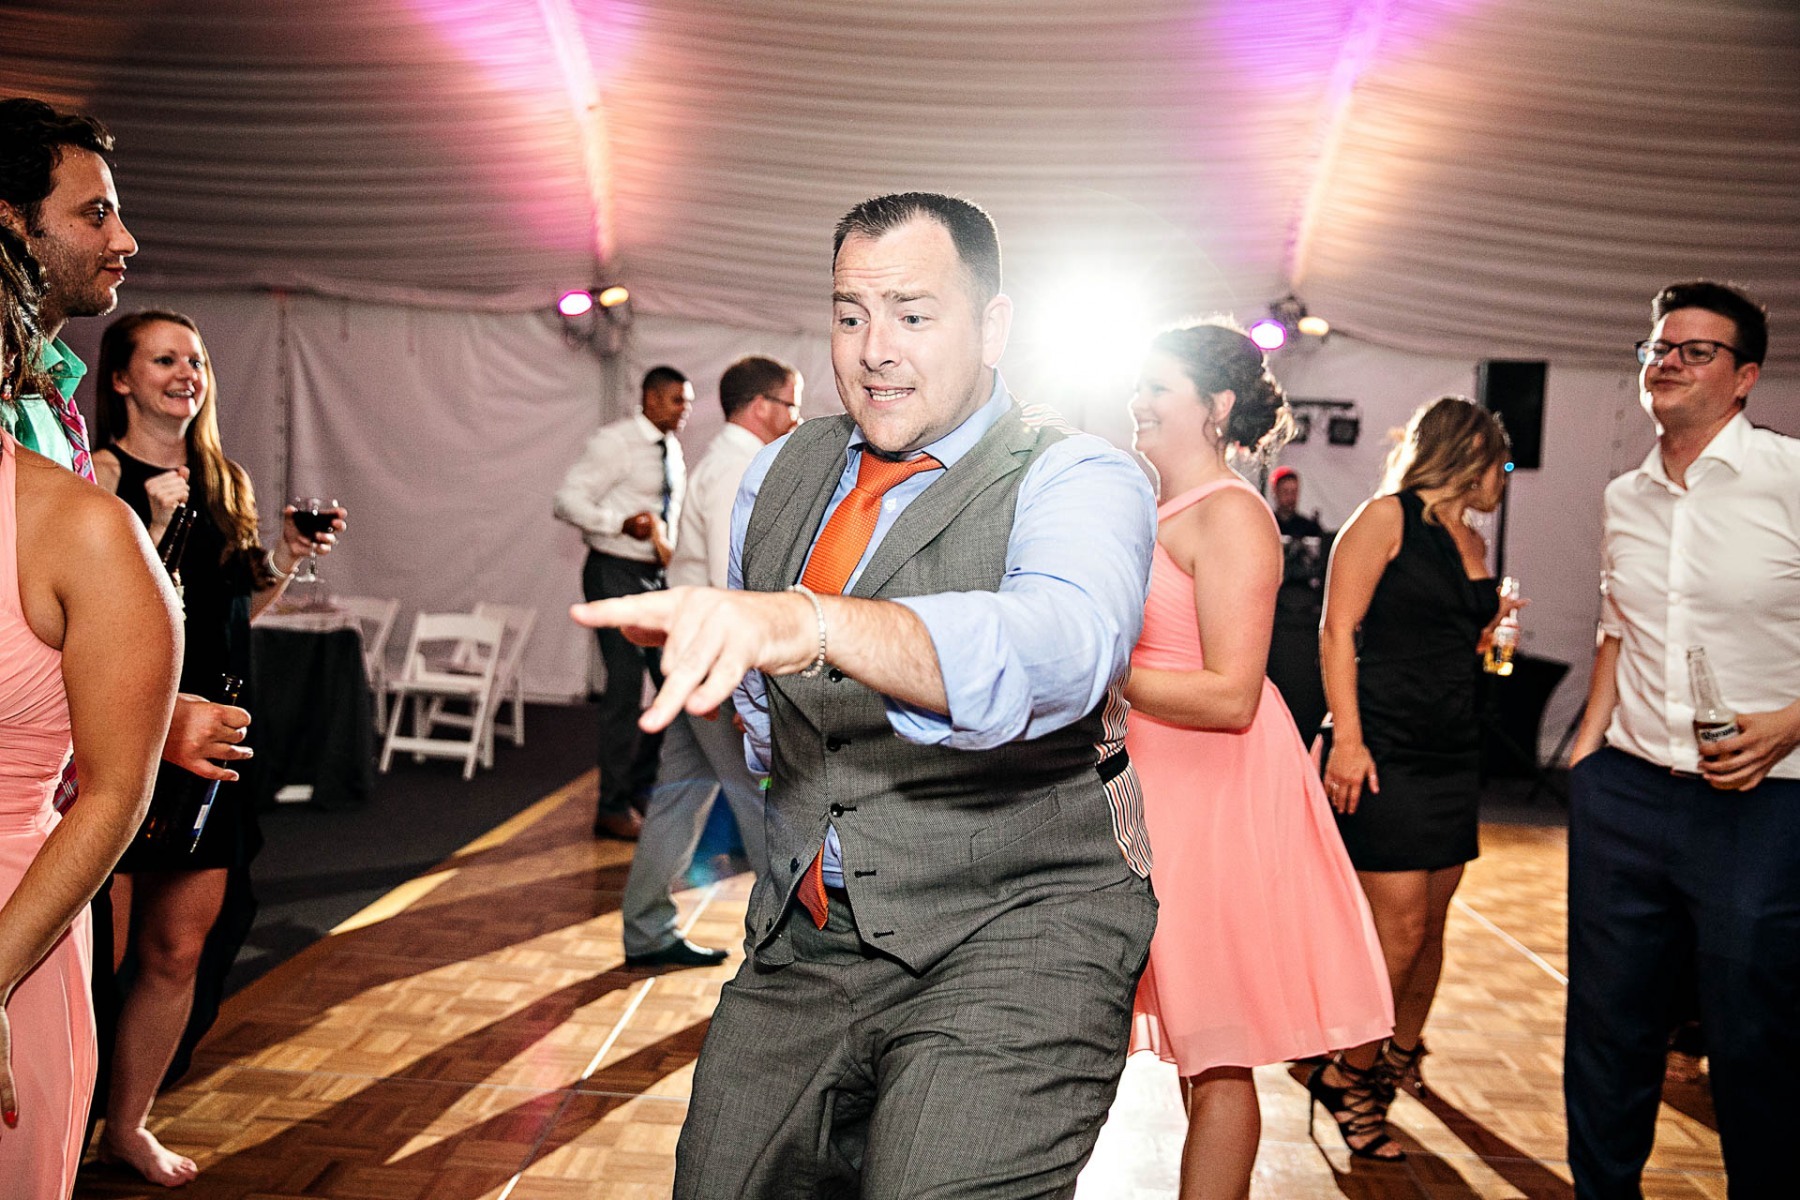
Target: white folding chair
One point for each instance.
(517, 623)
(375, 621)
(509, 680)
(450, 656)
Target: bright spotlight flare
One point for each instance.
(580, 301)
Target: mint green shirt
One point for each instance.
(33, 421)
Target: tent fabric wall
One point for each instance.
(447, 434)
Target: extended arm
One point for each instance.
(1228, 546)
(969, 670)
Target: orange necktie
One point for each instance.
(840, 547)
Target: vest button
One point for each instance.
(835, 675)
(833, 745)
(794, 866)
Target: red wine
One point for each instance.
(314, 524)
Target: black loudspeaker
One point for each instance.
(1515, 392)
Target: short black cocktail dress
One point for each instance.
(1416, 679)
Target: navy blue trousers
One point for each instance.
(1668, 875)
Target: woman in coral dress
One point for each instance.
(1264, 949)
(88, 643)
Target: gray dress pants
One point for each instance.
(700, 759)
(844, 1074)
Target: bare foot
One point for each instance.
(139, 1150)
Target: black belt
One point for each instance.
(1112, 766)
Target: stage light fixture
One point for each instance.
(595, 318)
(1313, 326)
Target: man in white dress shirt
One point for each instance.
(1684, 860)
(703, 756)
(625, 495)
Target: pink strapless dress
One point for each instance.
(53, 1052)
(1264, 948)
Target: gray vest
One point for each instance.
(936, 841)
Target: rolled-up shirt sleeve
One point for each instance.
(1041, 652)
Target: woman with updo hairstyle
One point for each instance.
(88, 654)
(1264, 950)
(159, 448)
(1409, 606)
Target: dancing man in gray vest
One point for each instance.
(941, 596)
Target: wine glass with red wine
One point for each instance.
(313, 517)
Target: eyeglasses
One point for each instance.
(1695, 352)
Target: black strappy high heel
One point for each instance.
(1358, 1108)
(1399, 1069)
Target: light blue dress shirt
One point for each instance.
(1036, 655)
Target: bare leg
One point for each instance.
(121, 919)
(1413, 1004)
(173, 912)
(1224, 1126)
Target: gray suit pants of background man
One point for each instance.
(700, 758)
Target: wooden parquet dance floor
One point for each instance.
(476, 1036)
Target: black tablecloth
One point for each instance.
(314, 720)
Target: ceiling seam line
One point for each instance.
(564, 28)
(1355, 55)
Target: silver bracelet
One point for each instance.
(818, 664)
(280, 575)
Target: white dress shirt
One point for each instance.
(618, 475)
(703, 553)
(1715, 564)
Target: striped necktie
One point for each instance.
(840, 547)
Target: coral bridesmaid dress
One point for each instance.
(53, 1054)
(1264, 948)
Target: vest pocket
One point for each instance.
(1015, 827)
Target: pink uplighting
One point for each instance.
(573, 304)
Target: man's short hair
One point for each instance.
(33, 138)
(657, 377)
(1750, 317)
(1282, 473)
(748, 378)
(971, 231)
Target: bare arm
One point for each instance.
(1361, 554)
(91, 586)
(1227, 544)
(1602, 698)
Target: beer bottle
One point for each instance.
(1499, 657)
(1713, 722)
(174, 544)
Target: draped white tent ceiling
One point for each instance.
(1469, 177)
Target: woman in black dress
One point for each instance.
(1409, 606)
(159, 437)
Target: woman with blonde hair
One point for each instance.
(159, 448)
(1409, 605)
